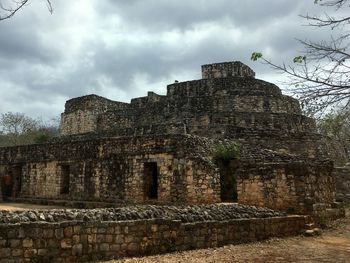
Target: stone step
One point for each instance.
(309, 226)
(313, 232)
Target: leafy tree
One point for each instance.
(320, 75)
(17, 129)
(9, 8)
(225, 152)
(336, 128)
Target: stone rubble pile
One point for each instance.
(186, 214)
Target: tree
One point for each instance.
(16, 123)
(320, 74)
(17, 129)
(9, 8)
(336, 128)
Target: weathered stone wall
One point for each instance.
(226, 69)
(81, 113)
(78, 241)
(78, 122)
(242, 109)
(228, 103)
(113, 170)
(215, 106)
(342, 177)
(288, 186)
(41, 179)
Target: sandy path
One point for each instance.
(19, 206)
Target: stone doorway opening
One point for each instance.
(151, 180)
(65, 179)
(12, 182)
(228, 181)
(17, 180)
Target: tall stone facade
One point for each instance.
(160, 147)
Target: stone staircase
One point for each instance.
(312, 230)
(324, 213)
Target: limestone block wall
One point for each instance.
(78, 122)
(251, 110)
(123, 179)
(80, 115)
(93, 102)
(304, 145)
(226, 69)
(207, 107)
(144, 101)
(79, 241)
(227, 103)
(115, 170)
(112, 120)
(294, 187)
(40, 179)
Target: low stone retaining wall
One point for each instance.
(79, 241)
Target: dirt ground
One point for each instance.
(20, 206)
(332, 246)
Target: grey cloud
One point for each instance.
(21, 39)
(153, 14)
(39, 63)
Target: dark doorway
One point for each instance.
(228, 180)
(151, 180)
(65, 179)
(12, 182)
(7, 184)
(17, 180)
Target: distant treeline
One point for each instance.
(18, 129)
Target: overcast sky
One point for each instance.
(121, 49)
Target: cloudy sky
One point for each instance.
(120, 49)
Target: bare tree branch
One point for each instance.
(14, 6)
(320, 76)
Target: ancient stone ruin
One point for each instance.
(160, 148)
(227, 137)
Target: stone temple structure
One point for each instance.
(160, 148)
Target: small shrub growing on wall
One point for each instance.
(225, 156)
(225, 152)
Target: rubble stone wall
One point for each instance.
(78, 241)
